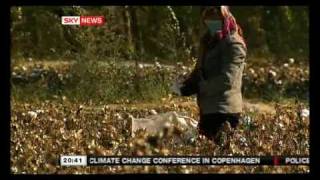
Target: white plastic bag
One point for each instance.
(156, 123)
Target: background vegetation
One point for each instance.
(74, 89)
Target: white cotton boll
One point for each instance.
(279, 82)
(305, 113)
(52, 50)
(272, 73)
(285, 65)
(291, 60)
(192, 140)
(281, 125)
(154, 112)
(24, 68)
(39, 111)
(118, 116)
(243, 139)
(140, 66)
(32, 114)
(247, 120)
(261, 69)
(158, 65)
(251, 71)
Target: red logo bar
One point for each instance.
(276, 161)
(92, 20)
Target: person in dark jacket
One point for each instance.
(217, 77)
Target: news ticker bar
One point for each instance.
(84, 160)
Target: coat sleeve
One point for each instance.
(190, 85)
(233, 55)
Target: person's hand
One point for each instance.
(175, 87)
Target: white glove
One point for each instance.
(175, 87)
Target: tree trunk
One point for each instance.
(127, 27)
(132, 32)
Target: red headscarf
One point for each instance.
(229, 25)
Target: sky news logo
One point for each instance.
(83, 20)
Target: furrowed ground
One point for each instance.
(84, 108)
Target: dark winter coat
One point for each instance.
(217, 77)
